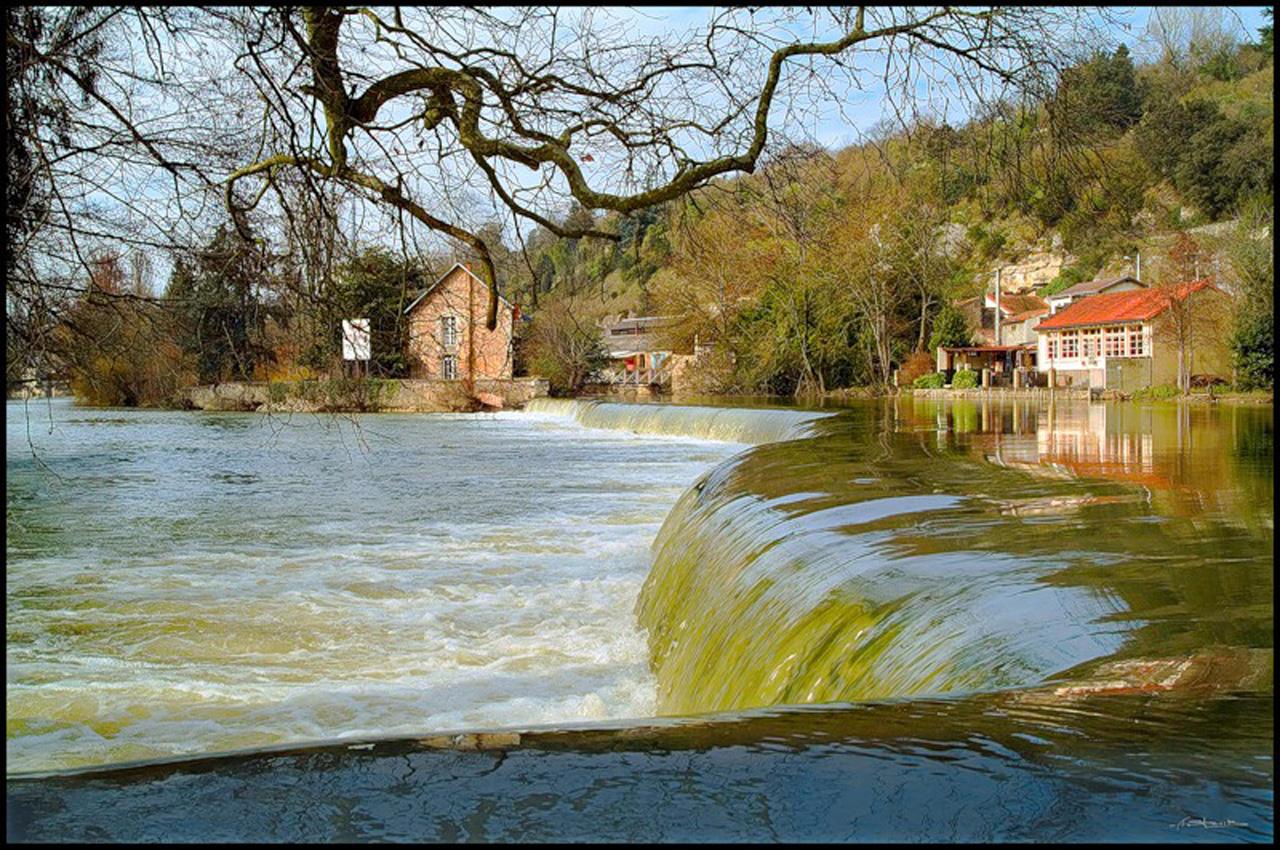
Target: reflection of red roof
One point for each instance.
(1136, 306)
(1111, 470)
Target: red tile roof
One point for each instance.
(1111, 307)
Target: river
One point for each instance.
(1046, 599)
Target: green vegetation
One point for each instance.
(964, 379)
(219, 317)
(1252, 254)
(1163, 392)
(949, 329)
(931, 381)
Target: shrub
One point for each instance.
(931, 381)
(564, 348)
(1253, 349)
(964, 379)
(1157, 393)
(919, 363)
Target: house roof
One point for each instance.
(637, 324)
(1137, 305)
(427, 291)
(1091, 287)
(1030, 314)
(627, 346)
(1013, 304)
(979, 349)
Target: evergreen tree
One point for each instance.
(221, 316)
(949, 329)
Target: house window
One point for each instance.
(1114, 345)
(1053, 346)
(449, 331)
(449, 367)
(1090, 342)
(1137, 343)
(1070, 345)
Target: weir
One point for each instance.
(729, 424)
(871, 562)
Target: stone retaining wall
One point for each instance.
(407, 395)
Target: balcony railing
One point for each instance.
(635, 377)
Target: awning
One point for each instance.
(985, 349)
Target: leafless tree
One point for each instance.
(422, 109)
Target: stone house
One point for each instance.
(448, 339)
(1127, 340)
(1098, 286)
(980, 314)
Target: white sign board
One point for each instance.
(355, 339)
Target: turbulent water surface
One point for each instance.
(1062, 612)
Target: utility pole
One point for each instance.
(1137, 265)
(997, 306)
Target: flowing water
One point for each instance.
(1048, 615)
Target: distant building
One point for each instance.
(1069, 296)
(635, 353)
(1125, 339)
(448, 339)
(1016, 346)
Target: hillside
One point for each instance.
(828, 269)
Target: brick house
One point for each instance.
(447, 335)
(1127, 340)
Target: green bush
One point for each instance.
(931, 381)
(1162, 392)
(1253, 349)
(964, 379)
